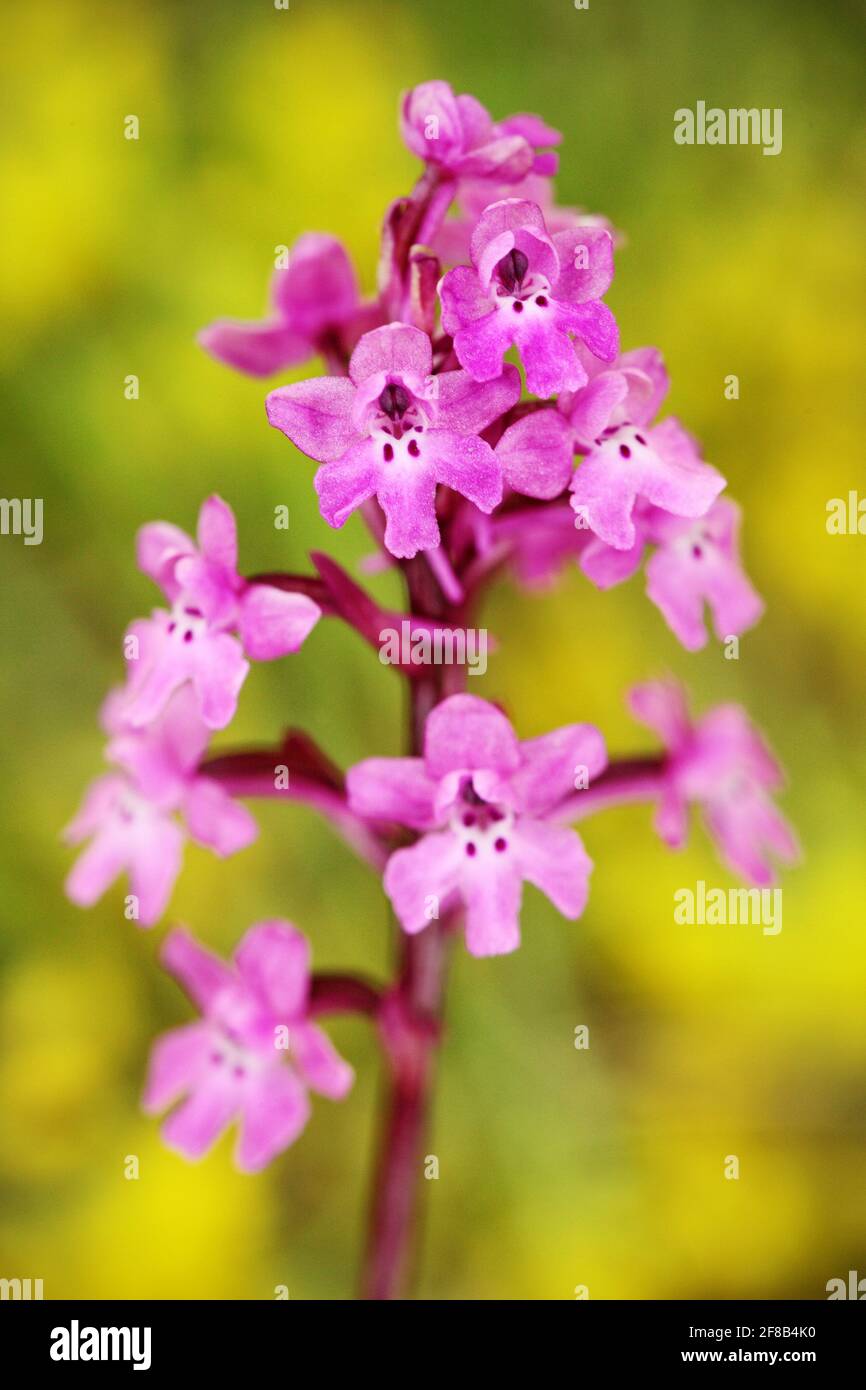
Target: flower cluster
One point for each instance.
(463, 465)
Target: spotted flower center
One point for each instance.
(187, 623)
(513, 280)
(624, 440)
(482, 826)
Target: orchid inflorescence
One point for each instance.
(422, 426)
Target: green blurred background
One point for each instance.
(558, 1167)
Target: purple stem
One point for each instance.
(343, 994)
(627, 779)
(415, 1014)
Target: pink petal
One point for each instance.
(593, 406)
(198, 1122)
(99, 800)
(219, 673)
(215, 819)
(275, 1109)
(641, 365)
(537, 454)
(157, 546)
(203, 975)
(463, 300)
(594, 324)
(218, 534)
(548, 357)
(316, 415)
(553, 858)
(551, 762)
(661, 706)
(319, 1062)
(577, 282)
(468, 465)
(468, 406)
(274, 622)
(492, 893)
(345, 483)
(396, 348)
(273, 959)
(605, 566)
(465, 733)
(259, 349)
(408, 500)
(481, 345)
(178, 1060)
(96, 867)
(392, 789)
(318, 289)
(156, 857)
(420, 879)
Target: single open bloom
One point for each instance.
(314, 303)
(627, 460)
(481, 801)
(532, 290)
(253, 1056)
(723, 764)
(394, 430)
(131, 817)
(194, 642)
(458, 136)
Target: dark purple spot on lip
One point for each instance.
(414, 451)
(419, 429)
(640, 439)
(216, 1058)
(394, 401)
(512, 268)
(187, 636)
(172, 626)
(611, 429)
(469, 819)
(194, 612)
(500, 845)
(517, 307)
(470, 849)
(239, 1071)
(496, 815)
(697, 552)
(625, 451)
(388, 453)
(541, 301)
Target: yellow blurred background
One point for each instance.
(558, 1167)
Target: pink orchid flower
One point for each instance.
(481, 801)
(314, 301)
(696, 563)
(253, 1056)
(532, 290)
(130, 817)
(210, 602)
(723, 764)
(394, 430)
(457, 135)
(627, 459)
